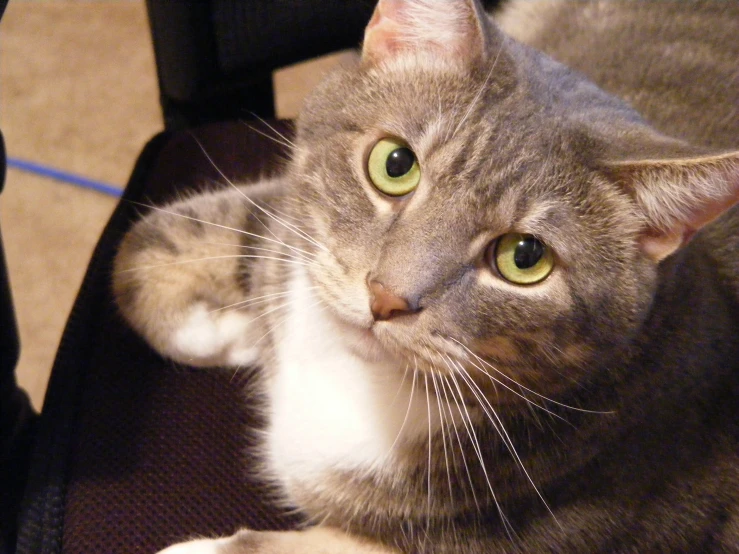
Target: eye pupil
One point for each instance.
(528, 252)
(399, 162)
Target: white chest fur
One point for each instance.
(330, 408)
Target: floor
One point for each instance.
(78, 92)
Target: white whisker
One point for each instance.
(304, 257)
(445, 384)
(280, 221)
(211, 258)
(501, 430)
(529, 402)
(523, 387)
(443, 434)
(482, 88)
(288, 145)
(272, 128)
(464, 412)
(402, 382)
(271, 310)
(255, 300)
(428, 472)
(271, 330)
(241, 231)
(428, 478)
(408, 411)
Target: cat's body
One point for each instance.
(416, 397)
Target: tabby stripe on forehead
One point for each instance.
(472, 155)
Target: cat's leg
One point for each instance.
(182, 276)
(317, 540)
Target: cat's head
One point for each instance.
(483, 209)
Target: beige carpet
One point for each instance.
(78, 92)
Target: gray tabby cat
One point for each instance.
(494, 308)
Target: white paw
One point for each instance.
(200, 546)
(210, 338)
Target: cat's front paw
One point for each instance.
(182, 286)
(213, 337)
(317, 540)
(200, 546)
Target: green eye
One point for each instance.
(523, 259)
(393, 167)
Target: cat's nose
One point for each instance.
(385, 305)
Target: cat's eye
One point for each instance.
(522, 259)
(393, 167)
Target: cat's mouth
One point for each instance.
(373, 342)
(366, 345)
(361, 340)
(377, 344)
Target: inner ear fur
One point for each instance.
(452, 30)
(678, 196)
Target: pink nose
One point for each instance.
(384, 304)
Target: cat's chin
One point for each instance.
(362, 341)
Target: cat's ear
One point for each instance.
(678, 196)
(446, 29)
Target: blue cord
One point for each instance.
(64, 176)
